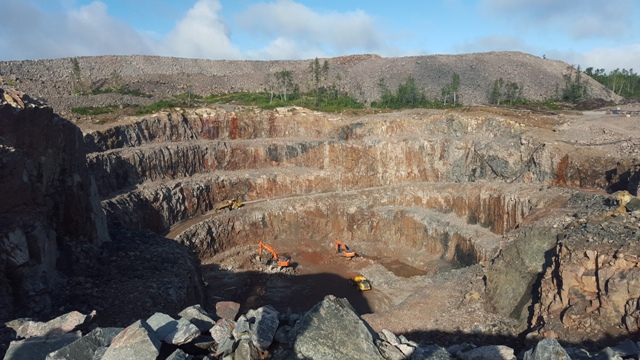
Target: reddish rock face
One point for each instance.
(49, 209)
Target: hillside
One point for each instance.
(359, 75)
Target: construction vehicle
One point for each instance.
(282, 261)
(231, 205)
(345, 249)
(361, 282)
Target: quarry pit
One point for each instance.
(428, 199)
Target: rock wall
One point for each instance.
(50, 215)
(420, 222)
(248, 157)
(592, 285)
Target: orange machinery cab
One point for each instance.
(345, 249)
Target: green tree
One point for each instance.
(407, 95)
(76, 77)
(495, 97)
(575, 88)
(450, 91)
(513, 93)
(318, 74)
(385, 94)
(502, 91)
(284, 81)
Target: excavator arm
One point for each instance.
(282, 261)
(345, 252)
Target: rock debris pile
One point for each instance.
(330, 330)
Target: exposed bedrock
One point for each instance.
(452, 222)
(51, 222)
(436, 189)
(592, 283)
(451, 151)
(55, 250)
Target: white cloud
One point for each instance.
(494, 43)
(30, 33)
(201, 34)
(97, 32)
(625, 57)
(288, 22)
(284, 48)
(583, 19)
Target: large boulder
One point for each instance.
(61, 325)
(333, 330)
(138, 341)
(510, 280)
(87, 346)
(38, 347)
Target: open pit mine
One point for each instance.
(478, 226)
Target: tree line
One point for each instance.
(322, 92)
(625, 83)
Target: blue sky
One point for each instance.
(599, 33)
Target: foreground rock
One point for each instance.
(330, 330)
(322, 333)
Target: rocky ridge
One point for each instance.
(163, 77)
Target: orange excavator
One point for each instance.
(282, 261)
(345, 249)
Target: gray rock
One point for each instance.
(223, 329)
(179, 355)
(607, 354)
(87, 346)
(246, 350)
(282, 335)
(547, 349)
(390, 337)
(162, 324)
(198, 317)
(321, 333)
(264, 324)
(509, 279)
(224, 347)
(627, 348)
(38, 347)
(489, 352)
(61, 325)
(403, 340)
(201, 345)
(454, 349)
(175, 332)
(242, 329)
(184, 332)
(136, 342)
(390, 352)
(227, 309)
(406, 349)
(578, 354)
(633, 205)
(430, 352)
(100, 353)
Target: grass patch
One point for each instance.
(268, 101)
(94, 110)
(121, 91)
